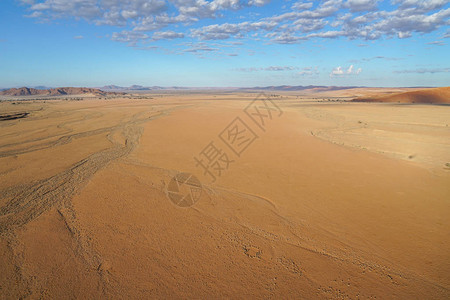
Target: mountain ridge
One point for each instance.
(61, 91)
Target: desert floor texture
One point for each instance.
(299, 198)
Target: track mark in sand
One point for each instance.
(67, 137)
(19, 286)
(21, 204)
(50, 140)
(356, 258)
(26, 202)
(84, 250)
(62, 140)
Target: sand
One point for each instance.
(329, 200)
(429, 96)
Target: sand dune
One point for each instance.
(426, 96)
(324, 204)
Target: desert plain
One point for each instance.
(316, 197)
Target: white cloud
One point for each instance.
(216, 32)
(327, 34)
(421, 5)
(270, 68)
(437, 43)
(337, 71)
(130, 37)
(258, 2)
(286, 38)
(227, 30)
(167, 35)
(361, 5)
(350, 19)
(375, 58)
(209, 9)
(424, 70)
(279, 68)
(198, 48)
(446, 34)
(341, 72)
(151, 23)
(403, 35)
(308, 25)
(350, 70)
(300, 5)
(308, 71)
(102, 12)
(29, 2)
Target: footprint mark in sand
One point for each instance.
(252, 251)
(290, 265)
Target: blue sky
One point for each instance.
(226, 43)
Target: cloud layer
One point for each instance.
(144, 21)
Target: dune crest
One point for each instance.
(429, 96)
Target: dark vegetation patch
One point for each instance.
(8, 117)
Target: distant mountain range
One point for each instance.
(24, 91)
(44, 90)
(319, 88)
(143, 88)
(39, 87)
(120, 90)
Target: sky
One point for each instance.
(224, 43)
